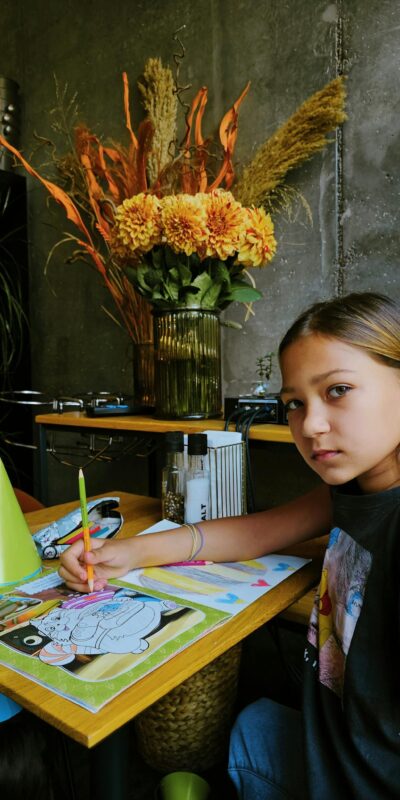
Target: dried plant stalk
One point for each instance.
(302, 135)
(160, 101)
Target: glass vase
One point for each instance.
(187, 354)
(143, 374)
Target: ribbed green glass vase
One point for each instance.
(187, 351)
(143, 374)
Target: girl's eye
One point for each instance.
(338, 391)
(291, 405)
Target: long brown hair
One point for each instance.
(367, 320)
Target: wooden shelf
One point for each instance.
(150, 424)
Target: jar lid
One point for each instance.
(174, 441)
(197, 444)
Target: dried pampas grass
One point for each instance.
(159, 99)
(302, 135)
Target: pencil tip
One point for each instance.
(91, 584)
(80, 472)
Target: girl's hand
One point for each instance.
(110, 559)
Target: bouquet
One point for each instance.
(163, 221)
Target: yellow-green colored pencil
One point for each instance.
(85, 526)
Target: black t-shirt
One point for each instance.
(351, 680)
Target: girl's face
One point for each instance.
(343, 411)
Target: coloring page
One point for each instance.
(89, 647)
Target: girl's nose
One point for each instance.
(315, 421)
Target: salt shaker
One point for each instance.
(197, 485)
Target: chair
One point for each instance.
(26, 501)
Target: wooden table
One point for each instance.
(93, 729)
(78, 420)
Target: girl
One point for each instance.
(341, 386)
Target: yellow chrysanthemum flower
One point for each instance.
(226, 220)
(258, 243)
(137, 226)
(184, 222)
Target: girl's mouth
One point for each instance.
(324, 455)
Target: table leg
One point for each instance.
(109, 767)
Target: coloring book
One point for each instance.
(90, 647)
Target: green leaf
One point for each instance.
(131, 273)
(243, 294)
(229, 323)
(220, 272)
(140, 278)
(167, 278)
(194, 261)
(154, 278)
(235, 269)
(172, 290)
(185, 274)
(171, 258)
(174, 273)
(181, 274)
(189, 294)
(157, 296)
(192, 299)
(203, 282)
(210, 297)
(157, 256)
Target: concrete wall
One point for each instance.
(288, 49)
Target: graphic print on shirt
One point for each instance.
(337, 606)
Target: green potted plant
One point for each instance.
(263, 371)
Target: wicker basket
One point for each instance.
(188, 729)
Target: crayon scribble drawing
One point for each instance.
(233, 584)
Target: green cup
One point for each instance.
(182, 786)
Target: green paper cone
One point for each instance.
(19, 559)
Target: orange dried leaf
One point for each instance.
(228, 130)
(189, 119)
(112, 186)
(127, 111)
(59, 195)
(145, 138)
(199, 141)
(228, 126)
(198, 138)
(112, 154)
(221, 175)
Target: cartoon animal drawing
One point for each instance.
(119, 624)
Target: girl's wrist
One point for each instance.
(133, 559)
(162, 548)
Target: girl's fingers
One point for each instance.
(79, 583)
(109, 559)
(78, 574)
(74, 583)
